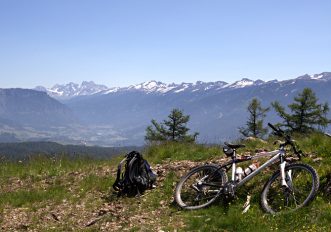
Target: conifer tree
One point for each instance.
(254, 125)
(306, 114)
(173, 129)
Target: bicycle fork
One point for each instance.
(282, 174)
(286, 177)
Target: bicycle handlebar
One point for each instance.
(278, 131)
(272, 126)
(288, 139)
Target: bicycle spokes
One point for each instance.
(200, 187)
(299, 187)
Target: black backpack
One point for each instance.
(136, 177)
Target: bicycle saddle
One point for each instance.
(234, 146)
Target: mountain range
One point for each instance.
(72, 90)
(94, 114)
(87, 88)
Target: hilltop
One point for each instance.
(75, 195)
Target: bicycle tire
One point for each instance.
(204, 195)
(303, 183)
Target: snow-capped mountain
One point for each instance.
(163, 88)
(86, 88)
(72, 89)
(325, 76)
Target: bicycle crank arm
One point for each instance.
(195, 188)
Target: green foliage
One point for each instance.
(173, 129)
(254, 125)
(155, 134)
(306, 115)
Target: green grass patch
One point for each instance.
(174, 151)
(315, 217)
(316, 143)
(96, 183)
(28, 197)
(43, 165)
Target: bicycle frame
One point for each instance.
(204, 184)
(276, 155)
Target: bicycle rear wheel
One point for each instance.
(303, 183)
(200, 187)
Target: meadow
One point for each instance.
(65, 194)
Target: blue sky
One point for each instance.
(125, 42)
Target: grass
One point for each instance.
(42, 178)
(79, 188)
(23, 198)
(314, 218)
(94, 182)
(181, 151)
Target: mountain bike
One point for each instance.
(291, 187)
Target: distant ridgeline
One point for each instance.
(26, 150)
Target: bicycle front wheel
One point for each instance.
(200, 187)
(302, 185)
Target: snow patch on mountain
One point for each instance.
(322, 76)
(183, 87)
(156, 87)
(111, 90)
(72, 89)
(316, 77)
(240, 84)
(152, 87)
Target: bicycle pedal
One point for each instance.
(246, 209)
(247, 204)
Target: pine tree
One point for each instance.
(254, 125)
(155, 132)
(306, 115)
(173, 129)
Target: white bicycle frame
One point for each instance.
(277, 155)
